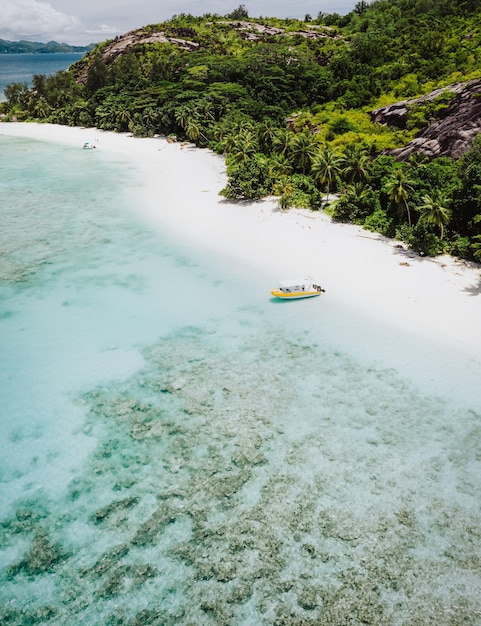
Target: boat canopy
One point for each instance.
(297, 284)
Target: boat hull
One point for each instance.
(294, 295)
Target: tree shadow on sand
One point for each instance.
(474, 289)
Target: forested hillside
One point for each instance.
(290, 105)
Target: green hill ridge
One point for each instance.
(35, 47)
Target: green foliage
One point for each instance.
(291, 113)
(399, 187)
(379, 222)
(466, 204)
(381, 169)
(339, 126)
(356, 204)
(434, 212)
(355, 164)
(325, 169)
(98, 73)
(420, 239)
(463, 248)
(17, 95)
(476, 248)
(297, 191)
(425, 113)
(248, 180)
(303, 150)
(343, 209)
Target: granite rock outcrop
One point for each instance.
(451, 134)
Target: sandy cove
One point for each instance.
(437, 298)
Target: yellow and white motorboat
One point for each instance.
(298, 288)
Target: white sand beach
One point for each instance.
(437, 298)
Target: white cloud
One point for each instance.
(30, 19)
(102, 30)
(40, 21)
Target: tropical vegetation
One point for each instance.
(287, 102)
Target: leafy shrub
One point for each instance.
(247, 181)
(341, 125)
(425, 113)
(420, 239)
(379, 222)
(461, 247)
(343, 209)
(304, 192)
(417, 118)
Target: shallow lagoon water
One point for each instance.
(177, 448)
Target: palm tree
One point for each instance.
(434, 212)
(266, 131)
(42, 107)
(150, 116)
(303, 150)
(278, 166)
(187, 118)
(282, 141)
(325, 167)
(123, 117)
(192, 130)
(398, 187)
(285, 189)
(357, 193)
(245, 146)
(106, 116)
(227, 132)
(206, 109)
(355, 164)
(183, 115)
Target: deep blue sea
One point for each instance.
(179, 449)
(21, 68)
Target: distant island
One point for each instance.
(33, 47)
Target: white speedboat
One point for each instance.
(298, 288)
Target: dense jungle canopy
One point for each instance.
(289, 103)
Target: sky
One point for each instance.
(92, 21)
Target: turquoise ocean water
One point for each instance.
(177, 448)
